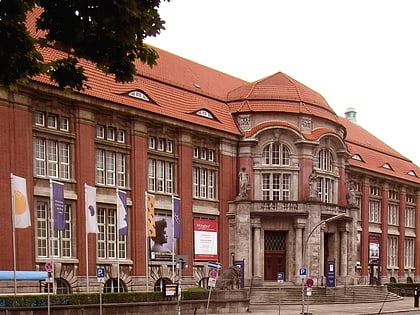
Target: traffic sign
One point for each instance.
(309, 282)
(100, 274)
(213, 274)
(214, 265)
(280, 277)
(48, 267)
(302, 272)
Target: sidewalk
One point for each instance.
(405, 304)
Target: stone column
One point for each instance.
(343, 249)
(258, 254)
(299, 226)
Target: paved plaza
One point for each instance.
(405, 304)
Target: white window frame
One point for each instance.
(111, 168)
(52, 158)
(160, 176)
(393, 214)
(409, 247)
(275, 186)
(392, 252)
(39, 118)
(109, 241)
(52, 121)
(276, 153)
(374, 210)
(204, 181)
(410, 215)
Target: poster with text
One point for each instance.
(205, 240)
(161, 244)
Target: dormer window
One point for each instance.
(387, 166)
(412, 173)
(140, 95)
(204, 113)
(357, 157)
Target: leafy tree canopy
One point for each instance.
(109, 33)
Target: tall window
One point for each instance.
(410, 211)
(108, 238)
(110, 168)
(392, 252)
(374, 211)
(161, 165)
(52, 158)
(409, 253)
(204, 173)
(276, 186)
(393, 217)
(52, 243)
(326, 178)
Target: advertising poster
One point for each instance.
(205, 240)
(161, 244)
(374, 248)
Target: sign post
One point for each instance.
(100, 276)
(280, 279)
(214, 267)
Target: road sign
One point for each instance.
(212, 283)
(280, 277)
(214, 265)
(309, 282)
(213, 274)
(48, 267)
(302, 272)
(309, 292)
(100, 274)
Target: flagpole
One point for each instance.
(13, 235)
(173, 240)
(146, 247)
(117, 238)
(52, 218)
(87, 249)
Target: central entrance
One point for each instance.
(274, 262)
(274, 254)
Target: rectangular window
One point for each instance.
(409, 253)
(410, 217)
(39, 118)
(109, 167)
(52, 121)
(196, 152)
(392, 252)
(276, 186)
(152, 143)
(100, 132)
(121, 136)
(110, 134)
(161, 145)
(169, 146)
(393, 214)
(64, 124)
(203, 153)
(52, 158)
(204, 181)
(275, 154)
(108, 238)
(286, 187)
(160, 176)
(50, 242)
(211, 155)
(374, 211)
(325, 189)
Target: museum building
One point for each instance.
(267, 176)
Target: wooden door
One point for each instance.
(274, 262)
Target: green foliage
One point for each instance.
(109, 33)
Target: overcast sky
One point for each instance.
(356, 53)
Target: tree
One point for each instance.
(109, 33)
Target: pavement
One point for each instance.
(405, 304)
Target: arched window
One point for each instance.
(325, 160)
(113, 285)
(160, 284)
(61, 287)
(276, 154)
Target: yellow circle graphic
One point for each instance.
(19, 202)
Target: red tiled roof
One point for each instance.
(178, 86)
(375, 154)
(280, 93)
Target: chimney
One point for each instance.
(351, 115)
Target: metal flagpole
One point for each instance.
(146, 247)
(13, 235)
(117, 238)
(173, 240)
(87, 249)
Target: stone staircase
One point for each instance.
(270, 293)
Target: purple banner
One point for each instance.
(58, 206)
(176, 203)
(122, 214)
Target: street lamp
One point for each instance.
(305, 249)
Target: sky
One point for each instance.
(363, 54)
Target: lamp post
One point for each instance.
(305, 249)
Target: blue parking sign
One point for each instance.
(280, 277)
(302, 272)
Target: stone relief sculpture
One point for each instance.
(351, 194)
(229, 279)
(313, 185)
(243, 183)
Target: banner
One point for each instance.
(161, 243)
(57, 200)
(20, 206)
(150, 215)
(176, 207)
(90, 204)
(205, 240)
(122, 213)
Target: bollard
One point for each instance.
(416, 297)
